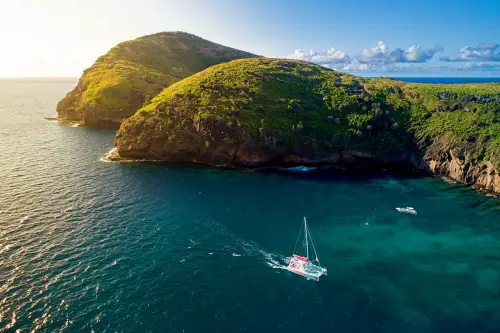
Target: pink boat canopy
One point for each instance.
(301, 258)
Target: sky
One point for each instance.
(60, 38)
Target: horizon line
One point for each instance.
(360, 74)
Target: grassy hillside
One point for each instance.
(464, 118)
(297, 105)
(283, 103)
(133, 72)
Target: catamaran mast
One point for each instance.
(305, 234)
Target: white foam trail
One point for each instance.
(249, 249)
(273, 260)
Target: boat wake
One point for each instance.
(273, 260)
(233, 246)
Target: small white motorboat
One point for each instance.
(408, 210)
(302, 265)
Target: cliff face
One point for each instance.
(456, 161)
(466, 171)
(457, 128)
(133, 72)
(270, 112)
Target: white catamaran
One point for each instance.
(300, 264)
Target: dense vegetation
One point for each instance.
(133, 72)
(464, 118)
(296, 104)
(282, 102)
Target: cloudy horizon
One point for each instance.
(57, 38)
(382, 59)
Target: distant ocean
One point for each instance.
(90, 246)
(449, 80)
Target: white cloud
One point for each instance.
(380, 51)
(329, 57)
(371, 59)
(383, 55)
(356, 66)
(483, 52)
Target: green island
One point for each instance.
(135, 71)
(263, 112)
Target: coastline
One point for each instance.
(308, 168)
(72, 123)
(420, 168)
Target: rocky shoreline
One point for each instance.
(72, 123)
(481, 175)
(484, 179)
(177, 98)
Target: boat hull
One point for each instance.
(407, 210)
(312, 276)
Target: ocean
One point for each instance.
(93, 246)
(448, 80)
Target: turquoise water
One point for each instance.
(90, 246)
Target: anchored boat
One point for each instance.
(301, 264)
(408, 210)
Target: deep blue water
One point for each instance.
(90, 246)
(449, 80)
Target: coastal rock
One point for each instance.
(467, 170)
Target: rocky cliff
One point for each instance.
(457, 162)
(133, 72)
(463, 170)
(271, 112)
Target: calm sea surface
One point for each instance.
(90, 246)
(449, 80)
